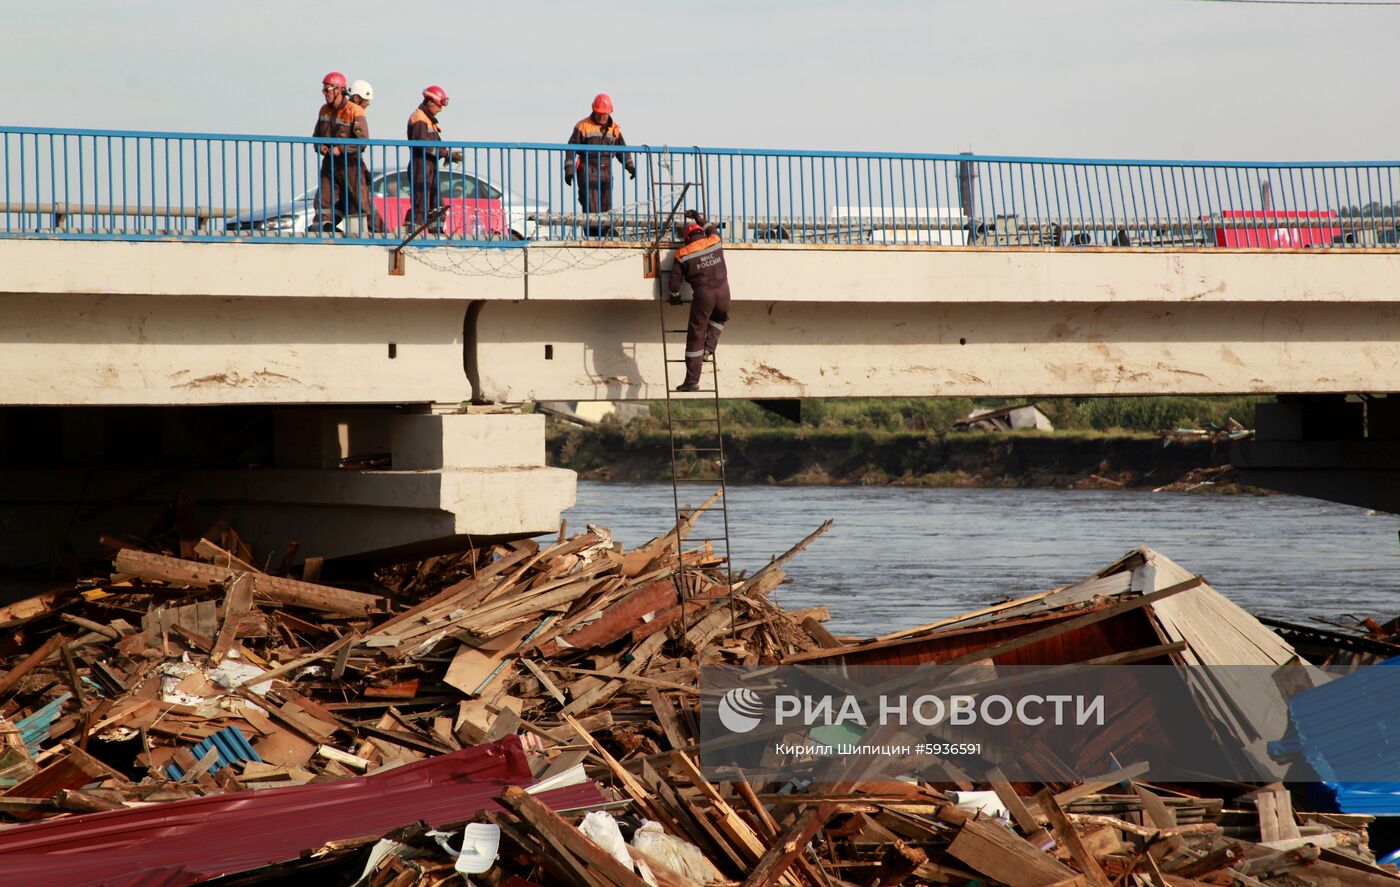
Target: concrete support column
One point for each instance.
(451, 481)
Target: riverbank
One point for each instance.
(1063, 460)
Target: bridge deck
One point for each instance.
(159, 268)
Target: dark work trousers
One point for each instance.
(423, 172)
(708, 316)
(365, 199)
(595, 196)
(344, 192)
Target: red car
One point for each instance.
(1277, 229)
(475, 210)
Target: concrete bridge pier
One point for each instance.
(340, 481)
(1334, 447)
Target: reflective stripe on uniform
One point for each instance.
(700, 353)
(421, 116)
(718, 326)
(683, 256)
(588, 131)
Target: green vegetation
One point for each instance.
(937, 414)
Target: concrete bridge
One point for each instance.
(182, 343)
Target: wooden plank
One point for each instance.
(666, 716)
(1266, 803)
(559, 864)
(557, 832)
(735, 828)
(1025, 820)
(629, 782)
(985, 611)
(999, 854)
(684, 818)
(73, 681)
(209, 551)
(456, 590)
(819, 633)
(470, 668)
(767, 825)
(1275, 807)
(288, 591)
(621, 675)
(641, 656)
(75, 770)
(330, 649)
(30, 662)
(545, 682)
(1094, 786)
(238, 599)
(1059, 628)
(789, 845)
(1157, 811)
(1071, 625)
(1064, 831)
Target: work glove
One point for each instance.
(455, 157)
(632, 173)
(674, 298)
(692, 214)
(568, 178)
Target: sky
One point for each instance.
(1144, 79)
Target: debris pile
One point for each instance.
(526, 714)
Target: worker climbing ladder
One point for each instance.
(699, 457)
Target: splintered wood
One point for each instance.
(180, 677)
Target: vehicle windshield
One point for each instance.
(451, 185)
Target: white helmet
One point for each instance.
(362, 89)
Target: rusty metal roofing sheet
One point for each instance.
(185, 842)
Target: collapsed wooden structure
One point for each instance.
(572, 669)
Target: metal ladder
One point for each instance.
(689, 464)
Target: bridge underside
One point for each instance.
(161, 330)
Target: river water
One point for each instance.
(899, 557)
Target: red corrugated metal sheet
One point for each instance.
(185, 842)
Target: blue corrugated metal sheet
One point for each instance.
(1348, 730)
(232, 745)
(1375, 798)
(35, 726)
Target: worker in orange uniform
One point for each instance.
(423, 162)
(339, 118)
(700, 263)
(594, 168)
(362, 93)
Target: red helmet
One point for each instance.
(602, 103)
(334, 78)
(691, 229)
(437, 94)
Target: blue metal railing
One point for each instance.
(94, 184)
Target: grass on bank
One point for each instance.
(936, 415)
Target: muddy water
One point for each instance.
(902, 557)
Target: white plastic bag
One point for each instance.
(674, 854)
(602, 830)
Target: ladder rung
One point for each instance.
(701, 419)
(696, 391)
(676, 331)
(699, 450)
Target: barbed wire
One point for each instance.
(510, 263)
